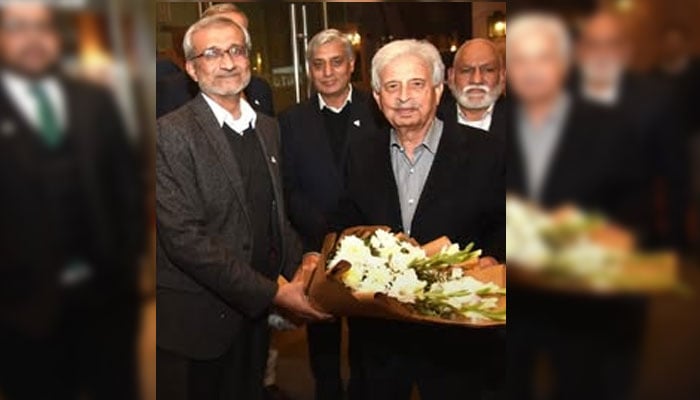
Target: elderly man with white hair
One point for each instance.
(565, 150)
(426, 179)
(477, 82)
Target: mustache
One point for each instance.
(483, 88)
(405, 105)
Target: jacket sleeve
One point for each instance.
(182, 232)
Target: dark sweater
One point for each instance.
(261, 205)
(336, 125)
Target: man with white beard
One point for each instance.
(477, 81)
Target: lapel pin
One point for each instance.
(356, 122)
(7, 128)
(273, 159)
(256, 102)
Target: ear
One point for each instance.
(451, 75)
(189, 67)
(352, 65)
(377, 98)
(438, 91)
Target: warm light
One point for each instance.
(453, 48)
(499, 26)
(496, 25)
(624, 5)
(355, 38)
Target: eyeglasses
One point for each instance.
(214, 54)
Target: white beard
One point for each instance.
(490, 96)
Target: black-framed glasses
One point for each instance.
(214, 53)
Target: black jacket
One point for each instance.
(447, 111)
(463, 197)
(112, 209)
(596, 165)
(313, 178)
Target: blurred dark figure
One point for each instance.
(648, 110)
(681, 70)
(70, 236)
(175, 88)
(562, 149)
(476, 81)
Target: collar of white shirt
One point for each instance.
(337, 110)
(608, 96)
(19, 91)
(484, 123)
(247, 119)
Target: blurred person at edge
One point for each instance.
(315, 136)
(563, 149)
(223, 237)
(476, 81)
(72, 227)
(174, 87)
(681, 70)
(427, 179)
(650, 111)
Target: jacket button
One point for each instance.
(222, 315)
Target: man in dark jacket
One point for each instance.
(72, 226)
(425, 178)
(315, 137)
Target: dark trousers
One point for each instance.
(324, 355)
(88, 355)
(593, 346)
(236, 375)
(444, 362)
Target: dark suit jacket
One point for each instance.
(174, 88)
(596, 165)
(647, 110)
(313, 177)
(110, 189)
(206, 286)
(447, 111)
(463, 197)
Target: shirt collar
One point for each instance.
(556, 115)
(247, 120)
(609, 96)
(337, 110)
(430, 141)
(487, 114)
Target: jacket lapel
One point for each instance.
(206, 120)
(450, 155)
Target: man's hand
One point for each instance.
(291, 297)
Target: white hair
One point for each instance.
(525, 24)
(208, 22)
(327, 36)
(426, 51)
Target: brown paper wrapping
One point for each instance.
(327, 292)
(642, 275)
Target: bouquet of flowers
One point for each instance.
(573, 250)
(373, 272)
